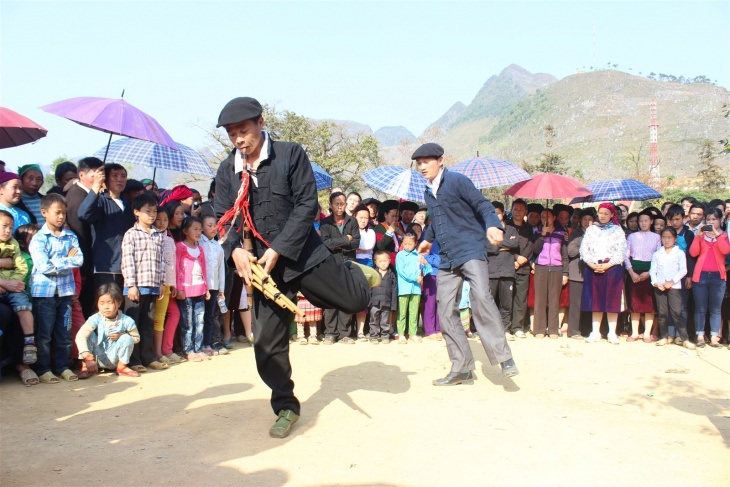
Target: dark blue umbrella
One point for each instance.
(618, 190)
(488, 173)
(321, 177)
(398, 181)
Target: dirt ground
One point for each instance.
(578, 414)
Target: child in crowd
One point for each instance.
(383, 299)
(192, 289)
(24, 234)
(409, 266)
(108, 337)
(175, 215)
(14, 268)
(55, 252)
(164, 330)
(216, 280)
(465, 309)
(312, 315)
(144, 273)
(668, 267)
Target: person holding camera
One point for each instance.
(186, 197)
(709, 278)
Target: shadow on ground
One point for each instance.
(185, 438)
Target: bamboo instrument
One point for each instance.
(261, 281)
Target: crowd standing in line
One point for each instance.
(104, 272)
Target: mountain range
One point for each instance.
(600, 121)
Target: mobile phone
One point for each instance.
(706, 228)
(196, 205)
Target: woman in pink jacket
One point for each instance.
(709, 279)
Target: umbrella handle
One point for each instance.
(107, 146)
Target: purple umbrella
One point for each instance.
(113, 116)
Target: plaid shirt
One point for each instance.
(142, 258)
(52, 268)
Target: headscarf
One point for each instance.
(7, 176)
(178, 193)
(29, 167)
(614, 219)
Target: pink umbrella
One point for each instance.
(15, 129)
(548, 186)
(113, 116)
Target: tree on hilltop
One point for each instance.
(549, 161)
(712, 177)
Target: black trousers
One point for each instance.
(337, 323)
(502, 289)
(574, 312)
(519, 303)
(143, 313)
(329, 284)
(88, 294)
(379, 322)
(669, 303)
(105, 278)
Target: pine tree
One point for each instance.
(712, 177)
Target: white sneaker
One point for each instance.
(613, 339)
(520, 334)
(594, 337)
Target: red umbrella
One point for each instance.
(15, 129)
(548, 186)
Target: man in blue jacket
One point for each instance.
(461, 222)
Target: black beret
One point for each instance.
(408, 205)
(370, 201)
(238, 110)
(387, 205)
(535, 208)
(558, 207)
(428, 150)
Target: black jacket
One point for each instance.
(337, 242)
(502, 262)
(110, 224)
(526, 244)
(75, 196)
(283, 206)
(386, 294)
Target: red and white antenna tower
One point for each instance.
(653, 143)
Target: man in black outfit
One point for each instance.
(283, 204)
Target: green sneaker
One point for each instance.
(372, 275)
(283, 425)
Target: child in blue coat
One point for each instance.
(410, 268)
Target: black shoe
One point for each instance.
(509, 369)
(455, 378)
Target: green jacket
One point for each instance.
(19, 270)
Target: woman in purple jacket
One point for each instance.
(551, 274)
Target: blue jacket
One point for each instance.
(409, 270)
(110, 223)
(460, 216)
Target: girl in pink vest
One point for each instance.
(192, 288)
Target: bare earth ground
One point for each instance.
(578, 414)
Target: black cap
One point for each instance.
(429, 150)
(370, 201)
(238, 110)
(535, 208)
(408, 205)
(422, 208)
(558, 207)
(387, 205)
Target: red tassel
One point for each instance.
(241, 205)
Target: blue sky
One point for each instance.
(377, 63)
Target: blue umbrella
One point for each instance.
(397, 181)
(488, 173)
(150, 154)
(618, 189)
(321, 177)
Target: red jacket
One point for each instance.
(720, 250)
